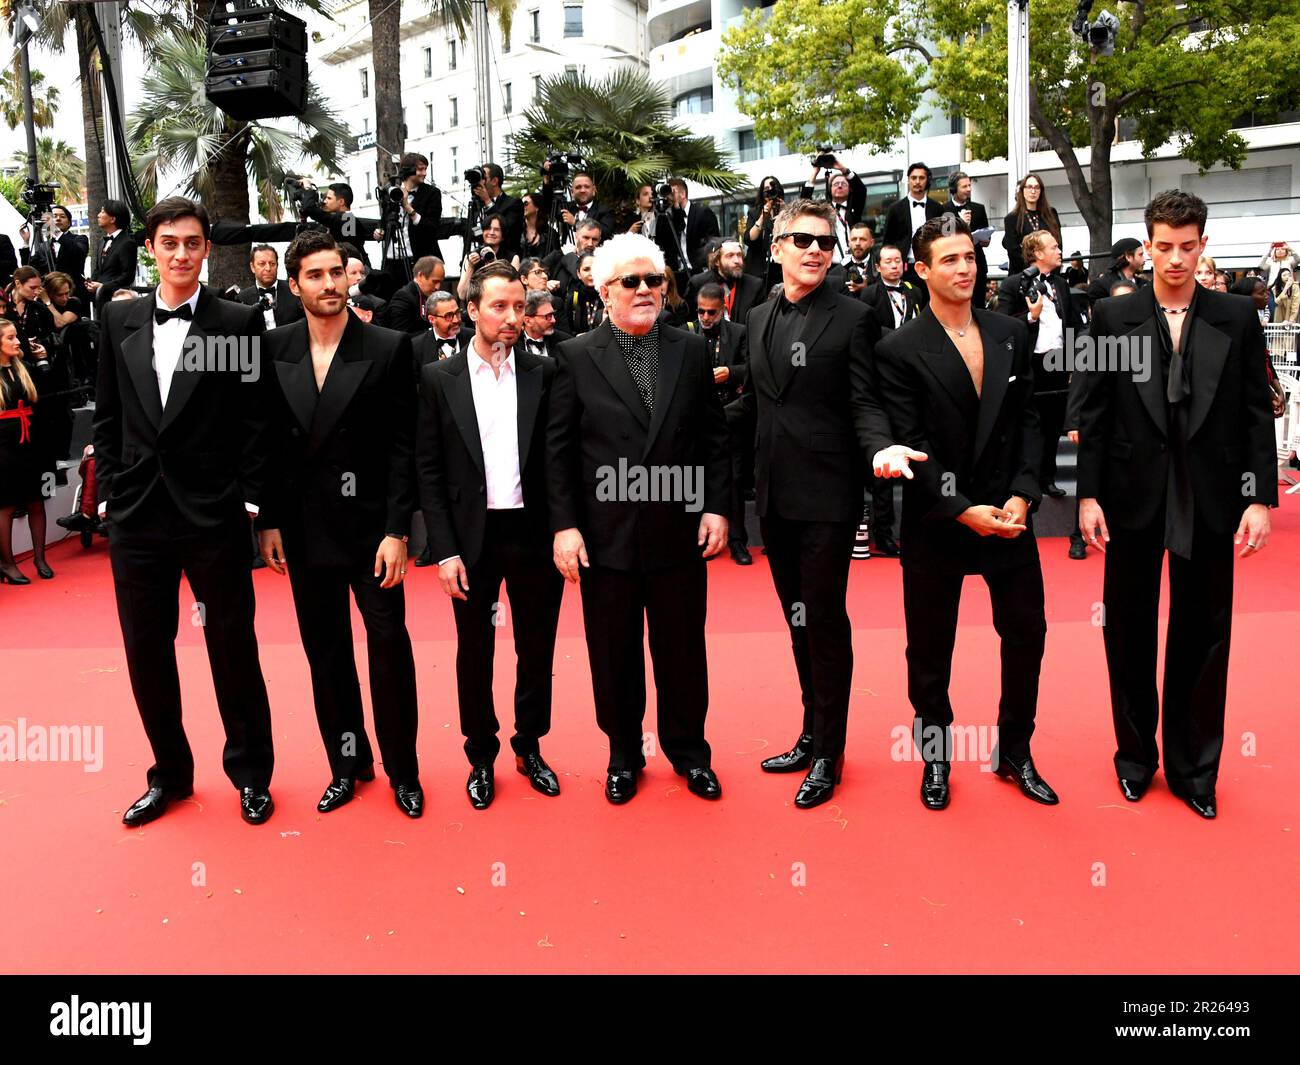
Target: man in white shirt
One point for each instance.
(480, 459)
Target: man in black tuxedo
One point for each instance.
(339, 516)
(957, 383)
(859, 269)
(181, 453)
(65, 251)
(510, 209)
(695, 226)
(584, 205)
(726, 340)
(809, 390)
(1053, 321)
(639, 481)
(115, 267)
(976, 217)
(274, 298)
(847, 193)
(448, 336)
(481, 455)
(907, 215)
(539, 335)
(405, 311)
(740, 291)
(419, 216)
(1176, 453)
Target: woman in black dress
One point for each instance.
(20, 466)
(758, 231)
(1032, 213)
(583, 307)
(49, 366)
(539, 240)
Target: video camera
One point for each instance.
(39, 197)
(558, 166)
(825, 157)
(1032, 284)
(663, 198)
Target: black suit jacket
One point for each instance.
(208, 448)
(983, 449)
(731, 353)
(979, 219)
(343, 473)
(877, 298)
(449, 456)
(552, 341)
(598, 212)
(344, 226)
(599, 426)
(1010, 301)
(750, 290)
(427, 203)
(116, 269)
(701, 225)
(857, 201)
(8, 260)
(816, 417)
(1123, 427)
(898, 223)
(71, 260)
(288, 308)
(405, 311)
(426, 348)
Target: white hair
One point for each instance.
(619, 251)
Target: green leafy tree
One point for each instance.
(58, 163)
(45, 99)
(623, 126)
(853, 72)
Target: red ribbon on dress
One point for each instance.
(24, 414)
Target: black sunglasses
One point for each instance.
(824, 241)
(634, 280)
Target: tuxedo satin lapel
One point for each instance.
(672, 353)
(1208, 348)
(1146, 337)
(944, 361)
(137, 353)
(347, 370)
(998, 359)
(460, 397)
(613, 367)
(298, 383)
(528, 398)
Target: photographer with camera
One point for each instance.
(490, 248)
(859, 269)
(412, 217)
(768, 203)
(1040, 297)
(844, 191)
(485, 183)
(62, 250)
(273, 297)
(693, 226)
(583, 207)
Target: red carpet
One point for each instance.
(669, 883)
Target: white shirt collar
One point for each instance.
(193, 301)
(481, 364)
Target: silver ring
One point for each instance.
(1253, 546)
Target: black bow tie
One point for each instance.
(184, 312)
(266, 291)
(893, 288)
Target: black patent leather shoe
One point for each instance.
(1078, 549)
(887, 546)
(740, 554)
(702, 782)
(1203, 804)
(1025, 775)
(540, 775)
(77, 522)
(796, 758)
(481, 787)
(1054, 490)
(819, 784)
(410, 799)
(152, 805)
(256, 805)
(935, 793)
(341, 791)
(620, 785)
(1133, 789)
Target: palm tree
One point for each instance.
(58, 163)
(44, 104)
(178, 127)
(623, 126)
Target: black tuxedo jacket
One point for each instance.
(8, 260)
(1123, 422)
(816, 416)
(449, 456)
(552, 341)
(1010, 301)
(877, 298)
(71, 260)
(984, 448)
(343, 472)
(701, 224)
(598, 212)
(116, 269)
(405, 311)
(288, 308)
(599, 425)
(510, 209)
(427, 203)
(750, 290)
(208, 448)
(731, 353)
(426, 348)
(898, 224)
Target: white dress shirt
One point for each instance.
(1050, 335)
(268, 313)
(168, 342)
(917, 208)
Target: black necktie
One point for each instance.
(184, 312)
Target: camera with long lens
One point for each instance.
(561, 164)
(771, 192)
(474, 176)
(39, 197)
(663, 198)
(1032, 284)
(854, 273)
(825, 157)
(294, 188)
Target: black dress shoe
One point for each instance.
(819, 784)
(620, 785)
(410, 799)
(740, 554)
(702, 782)
(425, 558)
(481, 787)
(796, 758)
(255, 805)
(152, 805)
(1133, 789)
(887, 546)
(77, 522)
(43, 571)
(1024, 774)
(935, 793)
(340, 792)
(1203, 805)
(540, 775)
(1054, 490)
(1078, 549)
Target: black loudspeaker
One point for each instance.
(257, 63)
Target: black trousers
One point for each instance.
(930, 602)
(882, 507)
(1196, 654)
(148, 556)
(535, 588)
(672, 603)
(320, 598)
(1051, 415)
(810, 568)
(740, 432)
